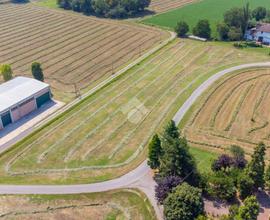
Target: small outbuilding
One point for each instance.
(21, 96)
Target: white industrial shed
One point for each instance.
(19, 97)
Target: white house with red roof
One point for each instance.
(260, 33)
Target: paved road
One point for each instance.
(141, 177)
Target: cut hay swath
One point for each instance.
(74, 50)
(233, 112)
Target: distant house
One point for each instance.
(260, 33)
(19, 97)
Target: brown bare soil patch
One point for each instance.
(159, 6)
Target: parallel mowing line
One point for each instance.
(238, 107)
(101, 48)
(46, 41)
(120, 164)
(82, 141)
(50, 46)
(42, 156)
(55, 29)
(132, 132)
(107, 137)
(111, 101)
(75, 113)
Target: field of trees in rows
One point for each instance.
(74, 50)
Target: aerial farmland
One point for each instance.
(75, 51)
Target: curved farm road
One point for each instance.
(141, 177)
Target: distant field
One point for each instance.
(106, 135)
(233, 111)
(72, 48)
(159, 6)
(212, 10)
(124, 204)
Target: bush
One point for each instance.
(184, 203)
(6, 72)
(223, 30)
(221, 187)
(165, 186)
(235, 34)
(223, 162)
(250, 209)
(181, 28)
(245, 186)
(202, 29)
(37, 71)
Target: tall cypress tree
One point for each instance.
(257, 165)
(37, 71)
(154, 152)
(171, 130)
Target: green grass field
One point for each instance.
(212, 10)
(47, 3)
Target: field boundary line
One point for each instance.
(92, 91)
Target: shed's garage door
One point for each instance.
(43, 98)
(6, 119)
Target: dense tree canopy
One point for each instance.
(154, 152)
(106, 8)
(184, 203)
(259, 13)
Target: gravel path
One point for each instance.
(141, 177)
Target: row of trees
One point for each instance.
(180, 187)
(202, 29)
(238, 20)
(7, 73)
(105, 8)
(235, 23)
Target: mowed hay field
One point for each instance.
(124, 204)
(159, 6)
(234, 111)
(212, 10)
(72, 48)
(106, 135)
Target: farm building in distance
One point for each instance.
(260, 33)
(19, 97)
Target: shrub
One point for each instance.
(245, 186)
(250, 209)
(6, 72)
(235, 34)
(223, 30)
(221, 187)
(184, 203)
(165, 186)
(223, 162)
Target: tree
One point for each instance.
(184, 203)
(6, 72)
(181, 28)
(171, 130)
(256, 166)
(267, 177)
(165, 186)
(235, 34)
(221, 186)
(223, 30)
(246, 17)
(245, 186)
(250, 209)
(154, 152)
(202, 29)
(223, 162)
(37, 71)
(234, 17)
(238, 155)
(259, 13)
